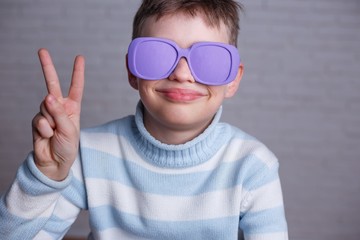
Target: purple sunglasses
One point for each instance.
(210, 63)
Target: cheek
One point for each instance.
(143, 85)
(146, 88)
(217, 92)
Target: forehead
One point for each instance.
(185, 29)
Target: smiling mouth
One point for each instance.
(180, 95)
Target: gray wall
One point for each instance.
(300, 93)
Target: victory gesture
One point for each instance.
(56, 128)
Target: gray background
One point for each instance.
(300, 93)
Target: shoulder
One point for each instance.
(249, 148)
(258, 166)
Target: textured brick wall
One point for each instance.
(300, 93)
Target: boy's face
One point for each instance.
(178, 103)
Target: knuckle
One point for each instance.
(36, 119)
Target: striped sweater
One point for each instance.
(135, 187)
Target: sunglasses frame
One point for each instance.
(183, 53)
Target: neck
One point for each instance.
(190, 149)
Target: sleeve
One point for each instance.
(262, 214)
(38, 207)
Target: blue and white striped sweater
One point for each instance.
(135, 187)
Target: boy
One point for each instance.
(171, 171)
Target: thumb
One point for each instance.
(63, 124)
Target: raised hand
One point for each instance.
(56, 128)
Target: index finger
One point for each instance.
(50, 75)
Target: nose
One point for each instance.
(182, 72)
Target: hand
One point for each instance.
(56, 128)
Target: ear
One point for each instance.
(234, 85)
(131, 78)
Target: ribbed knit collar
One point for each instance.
(191, 153)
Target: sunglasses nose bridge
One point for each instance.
(182, 70)
(183, 53)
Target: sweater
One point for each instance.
(135, 187)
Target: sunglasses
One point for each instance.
(210, 63)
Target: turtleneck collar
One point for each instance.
(191, 153)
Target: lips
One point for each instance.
(180, 94)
